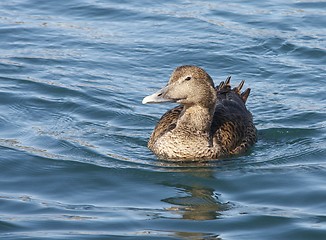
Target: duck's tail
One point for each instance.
(225, 88)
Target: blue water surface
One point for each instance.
(73, 132)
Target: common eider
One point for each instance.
(210, 122)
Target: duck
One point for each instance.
(210, 122)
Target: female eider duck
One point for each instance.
(210, 122)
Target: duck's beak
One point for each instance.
(158, 97)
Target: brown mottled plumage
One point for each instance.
(210, 123)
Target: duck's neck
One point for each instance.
(196, 118)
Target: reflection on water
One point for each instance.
(200, 204)
(196, 201)
(194, 235)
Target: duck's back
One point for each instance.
(232, 125)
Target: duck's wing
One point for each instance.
(167, 123)
(232, 124)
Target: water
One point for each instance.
(74, 162)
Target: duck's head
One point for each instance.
(188, 85)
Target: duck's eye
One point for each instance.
(188, 78)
